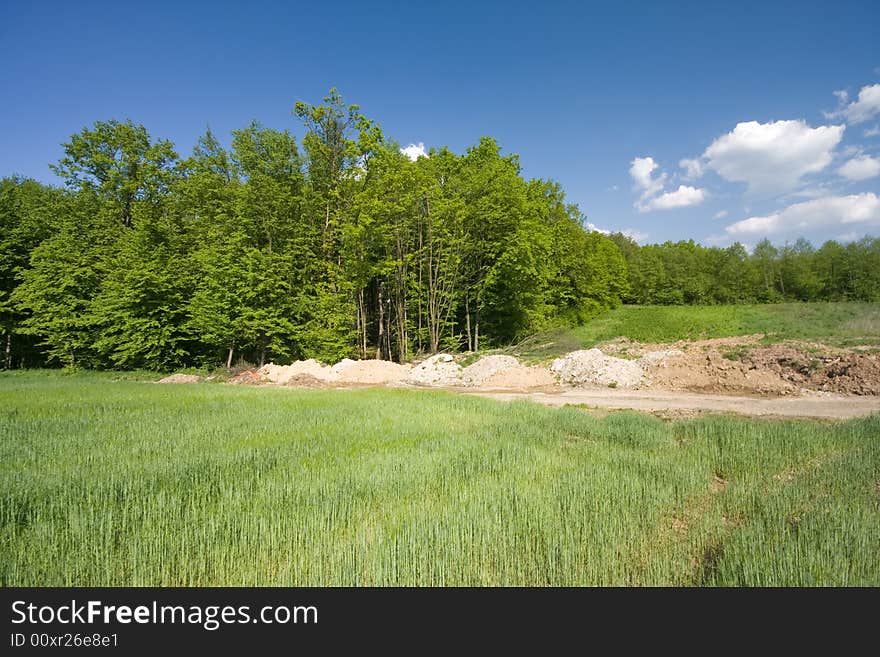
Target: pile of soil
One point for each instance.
(500, 372)
(816, 368)
(592, 367)
(371, 372)
(710, 371)
(305, 381)
(519, 377)
(282, 374)
(738, 365)
(180, 378)
(247, 377)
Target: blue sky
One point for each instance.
(584, 92)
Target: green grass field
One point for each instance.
(836, 324)
(130, 483)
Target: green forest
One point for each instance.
(336, 245)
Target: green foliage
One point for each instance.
(338, 245)
(27, 210)
(380, 487)
(65, 275)
(118, 162)
(678, 273)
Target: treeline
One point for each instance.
(688, 273)
(330, 246)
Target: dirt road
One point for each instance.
(825, 406)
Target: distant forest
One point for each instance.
(336, 245)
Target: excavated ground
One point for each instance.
(741, 375)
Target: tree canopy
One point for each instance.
(333, 245)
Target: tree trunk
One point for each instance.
(229, 357)
(262, 351)
(380, 340)
(362, 321)
(477, 329)
(467, 321)
(9, 350)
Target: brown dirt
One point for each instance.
(375, 372)
(520, 378)
(828, 370)
(742, 365)
(247, 377)
(684, 379)
(180, 378)
(306, 381)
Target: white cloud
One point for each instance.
(835, 211)
(720, 215)
(851, 236)
(632, 233)
(693, 168)
(682, 197)
(642, 172)
(771, 158)
(842, 96)
(635, 235)
(860, 168)
(414, 151)
(873, 132)
(865, 107)
(594, 228)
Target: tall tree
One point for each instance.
(118, 162)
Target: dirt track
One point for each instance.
(838, 407)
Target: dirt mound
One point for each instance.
(180, 378)
(520, 378)
(305, 381)
(592, 367)
(828, 370)
(283, 373)
(439, 370)
(371, 372)
(710, 371)
(248, 377)
(476, 373)
(504, 372)
(654, 357)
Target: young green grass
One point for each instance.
(107, 482)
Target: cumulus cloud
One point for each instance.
(642, 172)
(860, 168)
(862, 109)
(771, 158)
(414, 151)
(720, 215)
(632, 233)
(682, 197)
(831, 211)
(693, 168)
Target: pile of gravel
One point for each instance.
(439, 370)
(477, 373)
(592, 367)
